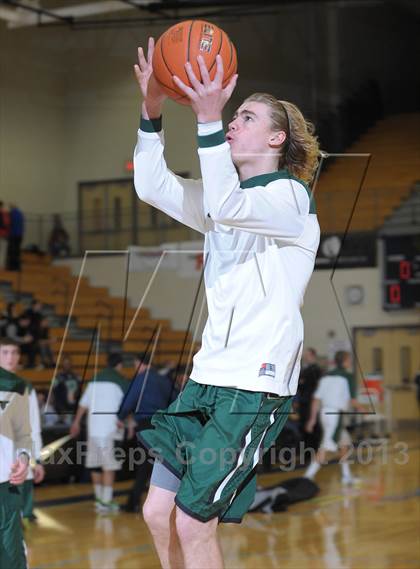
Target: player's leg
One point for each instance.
(174, 428)
(199, 541)
(142, 476)
(345, 446)
(330, 423)
(222, 462)
(108, 464)
(159, 515)
(316, 464)
(96, 477)
(12, 545)
(94, 464)
(108, 478)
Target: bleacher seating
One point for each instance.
(394, 144)
(55, 287)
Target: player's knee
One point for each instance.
(156, 518)
(190, 530)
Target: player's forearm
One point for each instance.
(79, 414)
(35, 425)
(152, 180)
(314, 410)
(156, 185)
(220, 179)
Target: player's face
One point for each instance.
(250, 135)
(9, 358)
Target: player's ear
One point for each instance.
(277, 138)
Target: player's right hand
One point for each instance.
(152, 93)
(19, 470)
(309, 427)
(75, 429)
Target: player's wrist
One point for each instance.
(151, 109)
(209, 117)
(204, 129)
(24, 457)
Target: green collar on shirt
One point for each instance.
(264, 179)
(11, 382)
(112, 376)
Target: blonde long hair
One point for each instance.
(300, 151)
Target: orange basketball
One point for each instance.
(184, 42)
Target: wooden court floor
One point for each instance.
(374, 525)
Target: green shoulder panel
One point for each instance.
(11, 382)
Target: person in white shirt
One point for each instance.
(261, 233)
(336, 394)
(15, 453)
(37, 473)
(101, 400)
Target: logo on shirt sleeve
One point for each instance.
(267, 369)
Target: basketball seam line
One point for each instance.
(167, 67)
(220, 47)
(189, 40)
(231, 54)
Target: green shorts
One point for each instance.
(12, 546)
(212, 439)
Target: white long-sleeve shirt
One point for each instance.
(15, 428)
(35, 421)
(260, 241)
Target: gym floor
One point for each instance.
(372, 525)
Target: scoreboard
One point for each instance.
(401, 272)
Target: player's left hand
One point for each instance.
(207, 97)
(19, 470)
(39, 473)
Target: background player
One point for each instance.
(334, 395)
(101, 400)
(15, 451)
(37, 473)
(261, 237)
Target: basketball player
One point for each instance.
(334, 395)
(15, 451)
(37, 473)
(261, 237)
(101, 400)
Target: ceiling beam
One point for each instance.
(37, 11)
(69, 12)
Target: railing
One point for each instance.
(103, 231)
(100, 231)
